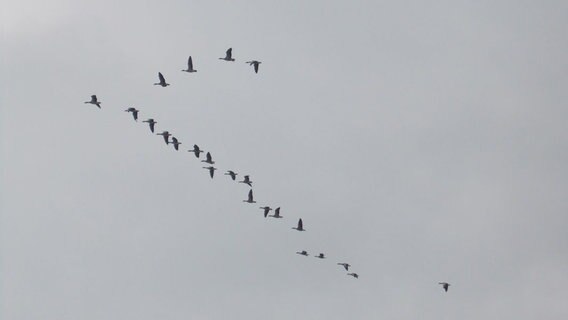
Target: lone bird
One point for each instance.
(196, 150)
(266, 210)
(211, 170)
(354, 275)
(300, 226)
(189, 66)
(250, 199)
(162, 81)
(151, 122)
(134, 113)
(176, 143)
(166, 136)
(228, 55)
(208, 159)
(320, 256)
(445, 285)
(345, 265)
(233, 174)
(303, 252)
(255, 64)
(276, 213)
(247, 180)
(94, 101)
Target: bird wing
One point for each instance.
(135, 114)
(162, 80)
(189, 64)
(208, 157)
(256, 68)
(229, 53)
(211, 171)
(151, 126)
(250, 195)
(300, 224)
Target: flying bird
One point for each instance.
(196, 150)
(445, 285)
(266, 210)
(228, 55)
(176, 143)
(345, 265)
(151, 122)
(233, 174)
(320, 256)
(300, 226)
(189, 66)
(211, 170)
(276, 213)
(208, 159)
(94, 101)
(247, 181)
(162, 81)
(249, 200)
(255, 64)
(354, 275)
(166, 136)
(303, 252)
(134, 112)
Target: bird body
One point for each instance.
(94, 101)
(211, 170)
(228, 55)
(190, 66)
(300, 226)
(151, 122)
(255, 64)
(250, 198)
(162, 81)
(166, 136)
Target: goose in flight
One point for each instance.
(151, 122)
(249, 200)
(196, 150)
(134, 112)
(345, 265)
(233, 174)
(176, 143)
(211, 170)
(266, 210)
(247, 181)
(303, 252)
(445, 285)
(166, 136)
(300, 226)
(208, 159)
(228, 55)
(354, 275)
(162, 81)
(255, 64)
(94, 101)
(189, 66)
(320, 256)
(276, 213)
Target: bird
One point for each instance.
(233, 174)
(249, 200)
(211, 170)
(266, 210)
(300, 226)
(246, 180)
(320, 256)
(354, 275)
(208, 159)
(162, 81)
(151, 122)
(255, 64)
(345, 265)
(445, 285)
(189, 66)
(94, 101)
(303, 252)
(276, 213)
(134, 112)
(196, 150)
(228, 55)
(176, 143)
(166, 136)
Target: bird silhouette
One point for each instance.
(176, 143)
(189, 66)
(208, 159)
(151, 122)
(246, 179)
(94, 101)
(134, 113)
(445, 285)
(300, 226)
(232, 174)
(276, 214)
(266, 210)
(303, 253)
(228, 55)
(345, 265)
(162, 81)
(250, 199)
(255, 64)
(211, 170)
(196, 150)
(166, 136)
(354, 275)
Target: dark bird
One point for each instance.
(247, 180)
(303, 252)
(196, 150)
(320, 256)
(276, 213)
(166, 136)
(228, 55)
(208, 159)
(134, 113)
(176, 143)
(255, 64)
(345, 265)
(211, 170)
(266, 210)
(300, 226)
(445, 285)
(249, 200)
(354, 275)
(94, 101)
(189, 66)
(232, 174)
(162, 81)
(151, 122)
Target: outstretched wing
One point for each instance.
(300, 224)
(162, 80)
(189, 64)
(229, 53)
(250, 196)
(256, 67)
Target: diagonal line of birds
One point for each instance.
(232, 174)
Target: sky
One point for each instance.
(419, 141)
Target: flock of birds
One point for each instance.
(209, 159)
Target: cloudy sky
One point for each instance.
(420, 141)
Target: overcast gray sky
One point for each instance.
(421, 141)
